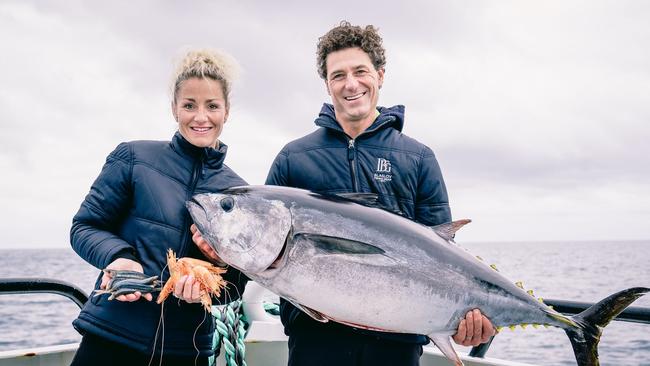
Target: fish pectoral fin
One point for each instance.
(443, 342)
(317, 316)
(336, 245)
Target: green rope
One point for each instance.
(230, 331)
(271, 308)
(229, 334)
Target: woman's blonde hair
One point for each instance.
(206, 63)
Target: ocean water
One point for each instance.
(581, 271)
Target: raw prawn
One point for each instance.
(208, 276)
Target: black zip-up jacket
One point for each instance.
(403, 172)
(136, 209)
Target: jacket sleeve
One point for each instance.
(94, 227)
(432, 203)
(279, 172)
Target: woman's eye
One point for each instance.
(188, 106)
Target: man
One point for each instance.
(359, 147)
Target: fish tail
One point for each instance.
(589, 324)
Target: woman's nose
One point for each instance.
(201, 115)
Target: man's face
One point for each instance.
(353, 83)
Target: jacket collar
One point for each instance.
(210, 156)
(388, 117)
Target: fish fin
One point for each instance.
(589, 324)
(448, 230)
(366, 199)
(443, 342)
(317, 316)
(369, 200)
(335, 245)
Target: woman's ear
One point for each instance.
(173, 105)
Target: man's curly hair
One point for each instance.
(345, 35)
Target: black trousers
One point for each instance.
(96, 351)
(350, 349)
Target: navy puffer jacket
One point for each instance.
(136, 209)
(403, 172)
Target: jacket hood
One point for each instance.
(210, 156)
(388, 117)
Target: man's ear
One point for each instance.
(327, 87)
(380, 74)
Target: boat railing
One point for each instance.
(636, 314)
(43, 285)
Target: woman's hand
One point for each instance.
(187, 289)
(205, 248)
(130, 265)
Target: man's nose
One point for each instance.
(351, 82)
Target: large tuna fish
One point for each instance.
(340, 259)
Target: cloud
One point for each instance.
(537, 112)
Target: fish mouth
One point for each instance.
(199, 216)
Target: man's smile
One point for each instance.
(355, 97)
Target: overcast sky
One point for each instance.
(538, 112)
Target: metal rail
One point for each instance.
(635, 314)
(43, 285)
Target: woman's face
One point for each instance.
(200, 110)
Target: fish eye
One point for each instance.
(227, 203)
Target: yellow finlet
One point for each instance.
(494, 267)
(523, 325)
(519, 284)
(530, 292)
(512, 327)
(536, 326)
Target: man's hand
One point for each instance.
(474, 329)
(205, 248)
(130, 265)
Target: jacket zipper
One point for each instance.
(198, 170)
(353, 164)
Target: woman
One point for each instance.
(135, 211)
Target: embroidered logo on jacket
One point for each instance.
(383, 173)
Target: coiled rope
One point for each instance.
(230, 330)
